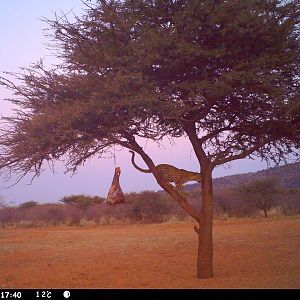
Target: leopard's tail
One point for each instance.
(136, 166)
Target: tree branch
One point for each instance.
(214, 133)
(165, 185)
(237, 156)
(190, 130)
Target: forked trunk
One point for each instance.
(205, 246)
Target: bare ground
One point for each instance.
(248, 253)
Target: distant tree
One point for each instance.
(262, 193)
(290, 201)
(55, 215)
(81, 201)
(224, 74)
(223, 200)
(148, 206)
(28, 204)
(228, 201)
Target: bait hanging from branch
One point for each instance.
(115, 194)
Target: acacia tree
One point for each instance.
(290, 202)
(262, 193)
(224, 74)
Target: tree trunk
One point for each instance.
(266, 213)
(205, 246)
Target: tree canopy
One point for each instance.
(224, 71)
(81, 201)
(262, 193)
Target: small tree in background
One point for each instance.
(224, 74)
(290, 201)
(228, 202)
(81, 201)
(262, 193)
(28, 205)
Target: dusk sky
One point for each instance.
(22, 43)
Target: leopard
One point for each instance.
(172, 174)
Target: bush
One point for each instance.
(228, 202)
(74, 216)
(82, 201)
(144, 207)
(148, 207)
(262, 193)
(56, 216)
(290, 202)
(7, 216)
(27, 205)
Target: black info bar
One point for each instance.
(149, 294)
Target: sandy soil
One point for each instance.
(248, 253)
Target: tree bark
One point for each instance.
(165, 185)
(205, 245)
(204, 218)
(266, 213)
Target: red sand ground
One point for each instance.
(249, 253)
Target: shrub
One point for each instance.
(7, 216)
(290, 202)
(229, 203)
(143, 207)
(27, 205)
(56, 216)
(147, 206)
(262, 193)
(82, 201)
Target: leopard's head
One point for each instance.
(197, 177)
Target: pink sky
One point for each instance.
(22, 43)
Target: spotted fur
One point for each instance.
(172, 174)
